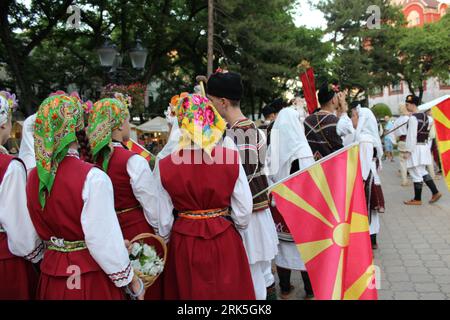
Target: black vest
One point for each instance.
(423, 124)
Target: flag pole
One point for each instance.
(334, 154)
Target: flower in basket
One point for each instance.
(145, 259)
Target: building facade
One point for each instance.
(417, 13)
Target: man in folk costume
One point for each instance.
(400, 134)
(288, 153)
(18, 238)
(131, 176)
(269, 116)
(71, 205)
(418, 155)
(260, 238)
(202, 180)
(321, 126)
(370, 152)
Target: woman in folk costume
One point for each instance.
(344, 128)
(288, 153)
(71, 205)
(207, 186)
(370, 152)
(18, 238)
(131, 176)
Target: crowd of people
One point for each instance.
(76, 196)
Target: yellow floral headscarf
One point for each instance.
(199, 122)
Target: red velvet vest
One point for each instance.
(5, 160)
(61, 216)
(117, 170)
(201, 186)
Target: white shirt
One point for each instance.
(23, 240)
(101, 228)
(403, 131)
(345, 129)
(26, 151)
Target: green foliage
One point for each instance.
(258, 40)
(381, 110)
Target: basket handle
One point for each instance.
(143, 236)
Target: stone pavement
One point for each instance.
(414, 244)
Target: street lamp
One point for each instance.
(138, 55)
(108, 53)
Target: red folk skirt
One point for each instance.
(59, 281)
(132, 224)
(207, 261)
(18, 279)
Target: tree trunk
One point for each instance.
(210, 36)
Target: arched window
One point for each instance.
(413, 18)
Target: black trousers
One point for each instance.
(285, 280)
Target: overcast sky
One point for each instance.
(307, 16)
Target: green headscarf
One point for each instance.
(58, 119)
(106, 116)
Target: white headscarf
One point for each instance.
(367, 130)
(4, 110)
(174, 137)
(288, 143)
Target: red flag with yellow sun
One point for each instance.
(325, 209)
(135, 147)
(441, 115)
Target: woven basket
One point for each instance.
(146, 279)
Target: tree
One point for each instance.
(362, 58)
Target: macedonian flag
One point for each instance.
(325, 209)
(441, 115)
(140, 150)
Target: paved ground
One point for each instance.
(414, 244)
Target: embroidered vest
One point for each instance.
(423, 124)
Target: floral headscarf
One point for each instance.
(8, 103)
(106, 116)
(200, 123)
(58, 119)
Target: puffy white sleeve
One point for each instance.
(345, 126)
(26, 151)
(411, 137)
(163, 206)
(23, 240)
(101, 228)
(241, 201)
(361, 123)
(141, 179)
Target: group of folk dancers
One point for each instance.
(75, 197)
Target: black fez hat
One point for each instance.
(278, 104)
(354, 104)
(326, 93)
(413, 99)
(267, 110)
(225, 85)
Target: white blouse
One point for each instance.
(102, 233)
(23, 240)
(26, 151)
(142, 183)
(241, 204)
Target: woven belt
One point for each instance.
(128, 210)
(62, 245)
(204, 214)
